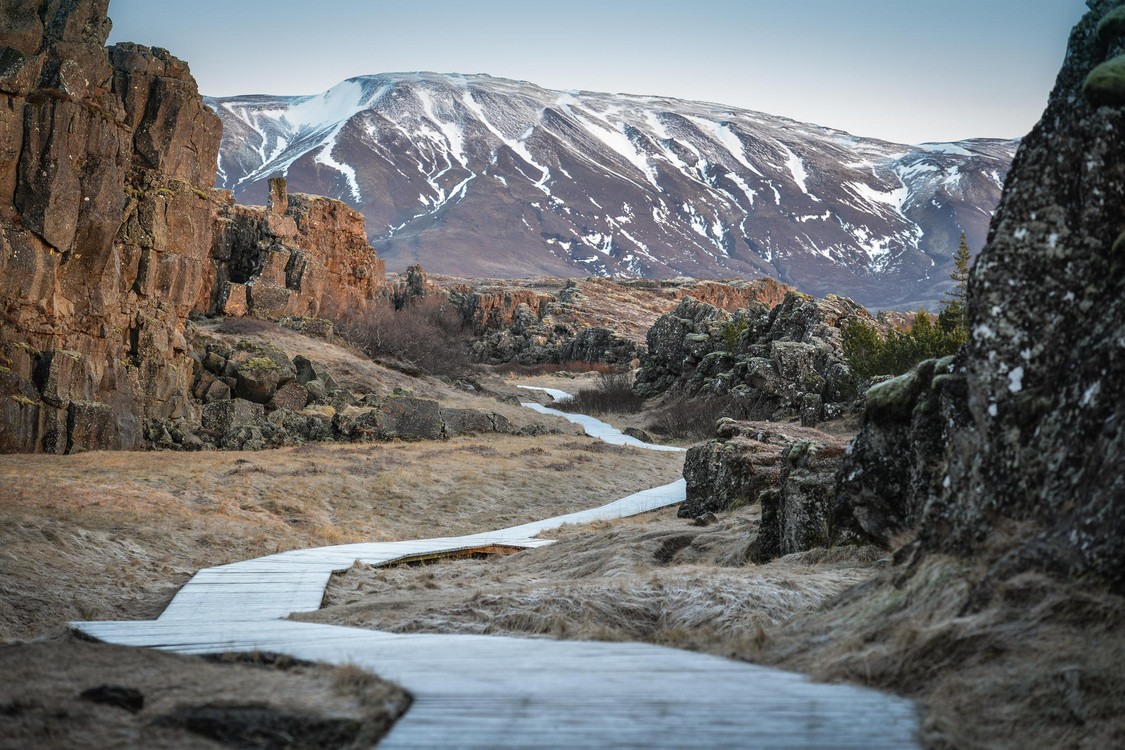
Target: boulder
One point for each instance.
(256, 380)
(217, 391)
(797, 511)
(727, 474)
(291, 396)
(304, 369)
(225, 417)
(409, 419)
(466, 421)
(638, 434)
(749, 460)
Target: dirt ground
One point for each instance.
(66, 693)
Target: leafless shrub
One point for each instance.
(694, 417)
(613, 394)
(429, 334)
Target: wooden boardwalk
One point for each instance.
(500, 692)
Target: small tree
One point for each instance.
(863, 348)
(953, 315)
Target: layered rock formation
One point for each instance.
(782, 362)
(111, 235)
(106, 166)
(1031, 461)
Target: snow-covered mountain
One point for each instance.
(482, 176)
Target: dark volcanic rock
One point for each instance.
(466, 421)
(797, 511)
(896, 466)
(746, 460)
(1035, 461)
(782, 362)
(1045, 368)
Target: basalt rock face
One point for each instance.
(106, 166)
(299, 255)
(896, 467)
(781, 362)
(1035, 457)
(789, 469)
(1045, 367)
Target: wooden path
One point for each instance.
(499, 692)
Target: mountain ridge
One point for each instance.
(475, 175)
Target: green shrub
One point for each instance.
(732, 335)
(869, 354)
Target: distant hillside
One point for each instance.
(480, 176)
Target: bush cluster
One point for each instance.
(612, 395)
(429, 334)
(869, 354)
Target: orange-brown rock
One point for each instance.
(106, 165)
(111, 235)
(300, 255)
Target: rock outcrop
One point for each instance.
(107, 158)
(896, 466)
(782, 362)
(299, 255)
(253, 396)
(111, 235)
(797, 510)
(1032, 462)
(790, 470)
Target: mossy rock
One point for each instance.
(1112, 26)
(893, 401)
(259, 363)
(1105, 86)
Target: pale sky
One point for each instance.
(903, 70)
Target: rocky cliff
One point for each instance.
(106, 166)
(299, 255)
(111, 234)
(1030, 458)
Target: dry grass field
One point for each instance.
(654, 578)
(112, 535)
